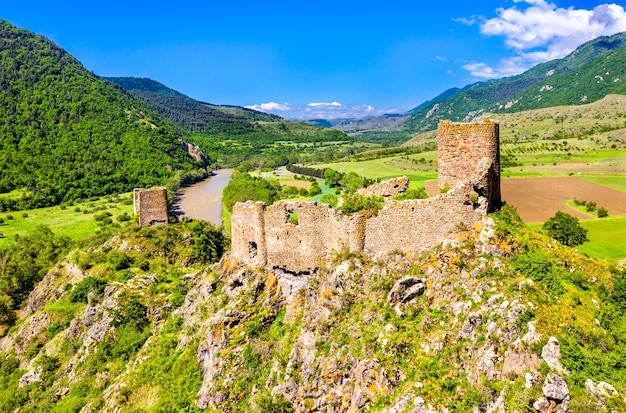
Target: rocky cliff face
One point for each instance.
(465, 327)
(196, 153)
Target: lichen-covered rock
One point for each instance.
(31, 376)
(600, 391)
(555, 395)
(551, 354)
(210, 363)
(406, 289)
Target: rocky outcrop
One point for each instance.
(601, 391)
(210, 363)
(555, 395)
(551, 354)
(406, 290)
(196, 153)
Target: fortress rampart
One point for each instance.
(270, 236)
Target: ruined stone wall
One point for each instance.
(270, 235)
(461, 147)
(299, 237)
(151, 206)
(248, 233)
(415, 225)
(387, 188)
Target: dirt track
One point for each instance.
(537, 199)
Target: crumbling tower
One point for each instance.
(462, 147)
(151, 206)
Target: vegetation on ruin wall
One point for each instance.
(66, 134)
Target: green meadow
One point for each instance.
(607, 238)
(78, 220)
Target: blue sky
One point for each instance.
(316, 59)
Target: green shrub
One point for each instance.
(368, 205)
(315, 189)
(330, 199)
(603, 212)
(124, 217)
(130, 311)
(119, 260)
(264, 402)
(419, 193)
(540, 267)
(84, 287)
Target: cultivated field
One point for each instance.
(537, 199)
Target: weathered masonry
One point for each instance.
(469, 165)
(151, 206)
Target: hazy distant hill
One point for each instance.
(190, 113)
(594, 70)
(193, 115)
(65, 133)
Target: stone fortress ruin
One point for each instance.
(469, 179)
(151, 206)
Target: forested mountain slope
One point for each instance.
(190, 113)
(594, 70)
(67, 134)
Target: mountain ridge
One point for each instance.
(558, 82)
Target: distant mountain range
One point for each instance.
(187, 112)
(591, 72)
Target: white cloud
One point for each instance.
(480, 70)
(323, 104)
(320, 110)
(542, 31)
(271, 107)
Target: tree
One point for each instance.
(331, 177)
(351, 182)
(315, 189)
(566, 229)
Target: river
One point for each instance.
(203, 200)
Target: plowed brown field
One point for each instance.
(537, 199)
